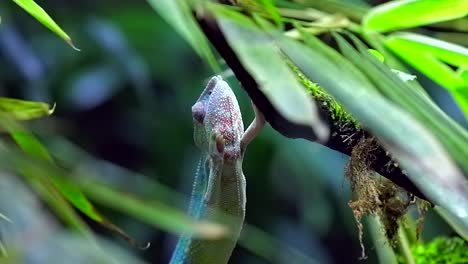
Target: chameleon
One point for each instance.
(219, 188)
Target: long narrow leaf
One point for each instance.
(37, 12)
(263, 59)
(178, 14)
(449, 133)
(431, 56)
(29, 144)
(428, 165)
(253, 239)
(410, 13)
(24, 110)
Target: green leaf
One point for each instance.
(449, 133)
(262, 58)
(431, 56)
(427, 164)
(33, 230)
(24, 110)
(37, 12)
(152, 212)
(377, 54)
(48, 181)
(269, 6)
(115, 177)
(458, 226)
(100, 181)
(411, 13)
(384, 251)
(178, 14)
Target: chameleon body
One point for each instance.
(219, 186)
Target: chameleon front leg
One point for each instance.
(216, 163)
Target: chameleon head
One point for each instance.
(217, 112)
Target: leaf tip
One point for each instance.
(52, 110)
(148, 245)
(70, 42)
(4, 217)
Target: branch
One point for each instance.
(344, 136)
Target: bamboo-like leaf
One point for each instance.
(153, 212)
(45, 175)
(461, 227)
(36, 237)
(427, 164)
(178, 14)
(410, 13)
(377, 54)
(4, 217)
(431, 56)
(24, 110)
(449, 133)
(48, 181)
(262, 58)
(116, 178)
(37, 12)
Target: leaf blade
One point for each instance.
(178, 14)
(24, 110)
(37, 12)
(410, 13)
(277, 82)
(413, 146)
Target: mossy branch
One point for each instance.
(345, 131)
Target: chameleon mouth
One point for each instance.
(198, 112)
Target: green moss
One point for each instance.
(441, 250)
(328, 102)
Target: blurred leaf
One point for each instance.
(24, 110)
(105, 176)
(40, 182)
(431, 56)
(277, 81)
(414, 147)
(71, 192)
(37, 12)
(410, 13)
(268, 247)
(35, 237)
(352, 9)
(178, 14)
(153, 212)
(449, 133)
(460, 227)
(30, 144)
(377, 54)
(4, 217)
(263, 7)
(384, 250)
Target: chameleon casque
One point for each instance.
(219, 185)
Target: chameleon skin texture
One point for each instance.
(218, 192)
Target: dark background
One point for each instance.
(126, 98)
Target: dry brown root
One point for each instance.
(373, 195)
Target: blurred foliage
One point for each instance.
(441, 250)
(126, 98)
